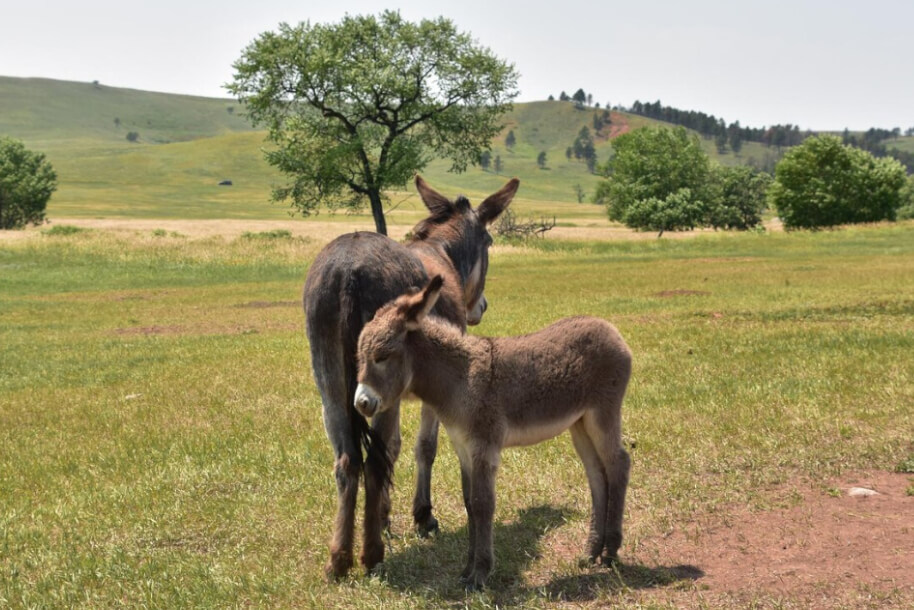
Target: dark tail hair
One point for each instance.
(377, 457)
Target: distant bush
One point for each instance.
(63, 230)
(736, 197)
(27, 181)
(823, 183)
(657, 180)
(164, 233)
(133, 136)
(906, 211)
(265, 235)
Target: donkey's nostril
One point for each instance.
(365, 403)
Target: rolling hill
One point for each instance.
(187, 145)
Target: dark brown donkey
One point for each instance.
(492, 393)
(349, 280)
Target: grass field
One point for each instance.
(161, 442)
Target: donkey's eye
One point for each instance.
(381, 358)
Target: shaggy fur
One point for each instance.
(492, 393)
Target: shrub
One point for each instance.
(822, 183)
(63, 230)
(27, 181)
(653, 171)
(906, 211)
(266, 235)
(737, 197)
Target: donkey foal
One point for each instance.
(492, 393)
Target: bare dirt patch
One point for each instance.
(829, 550)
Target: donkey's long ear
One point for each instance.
(418, 306)
(436, 203)
(496, 203)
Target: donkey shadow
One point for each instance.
(432, 568)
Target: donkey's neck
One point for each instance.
(449, 248)
(441, 359)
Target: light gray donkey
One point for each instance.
(492, 393)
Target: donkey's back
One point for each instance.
(558, 372)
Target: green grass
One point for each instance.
(161, 441)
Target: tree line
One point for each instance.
(779, 136)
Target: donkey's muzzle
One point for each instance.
(365, 401)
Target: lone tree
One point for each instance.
(26, 183)
(541, 159)
(822, 183)
(510, 140)
(485, 160)
(359, 106)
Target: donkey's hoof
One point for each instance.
(371, 557)
(587, 561)
(473, 583)
(427, 528)
(338, 566)
(610, 560)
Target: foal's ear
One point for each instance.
(436, 203)
(422, 302)
(496, 203)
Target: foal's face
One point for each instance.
(384, 356)
(383, 363)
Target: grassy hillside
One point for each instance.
(188, 144)
(48, 111)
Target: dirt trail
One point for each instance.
(321, 230)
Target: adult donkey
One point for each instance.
(350, 279)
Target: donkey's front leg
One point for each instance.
(426, 449)
(466, 472)
(482, 503)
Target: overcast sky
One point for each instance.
(822, 64)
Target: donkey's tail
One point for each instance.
(377, 462)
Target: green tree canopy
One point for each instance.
(510, 140)
(678, 211)
(359, 106)
(737, 197)
(822, 183)
(655, 163)
(27, 181)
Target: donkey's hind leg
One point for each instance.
(378, 476)
(605, 432)
(596, 477)
(426, 449)
(347, 469)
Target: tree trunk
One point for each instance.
(377, 211)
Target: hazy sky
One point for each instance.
(822, 64)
